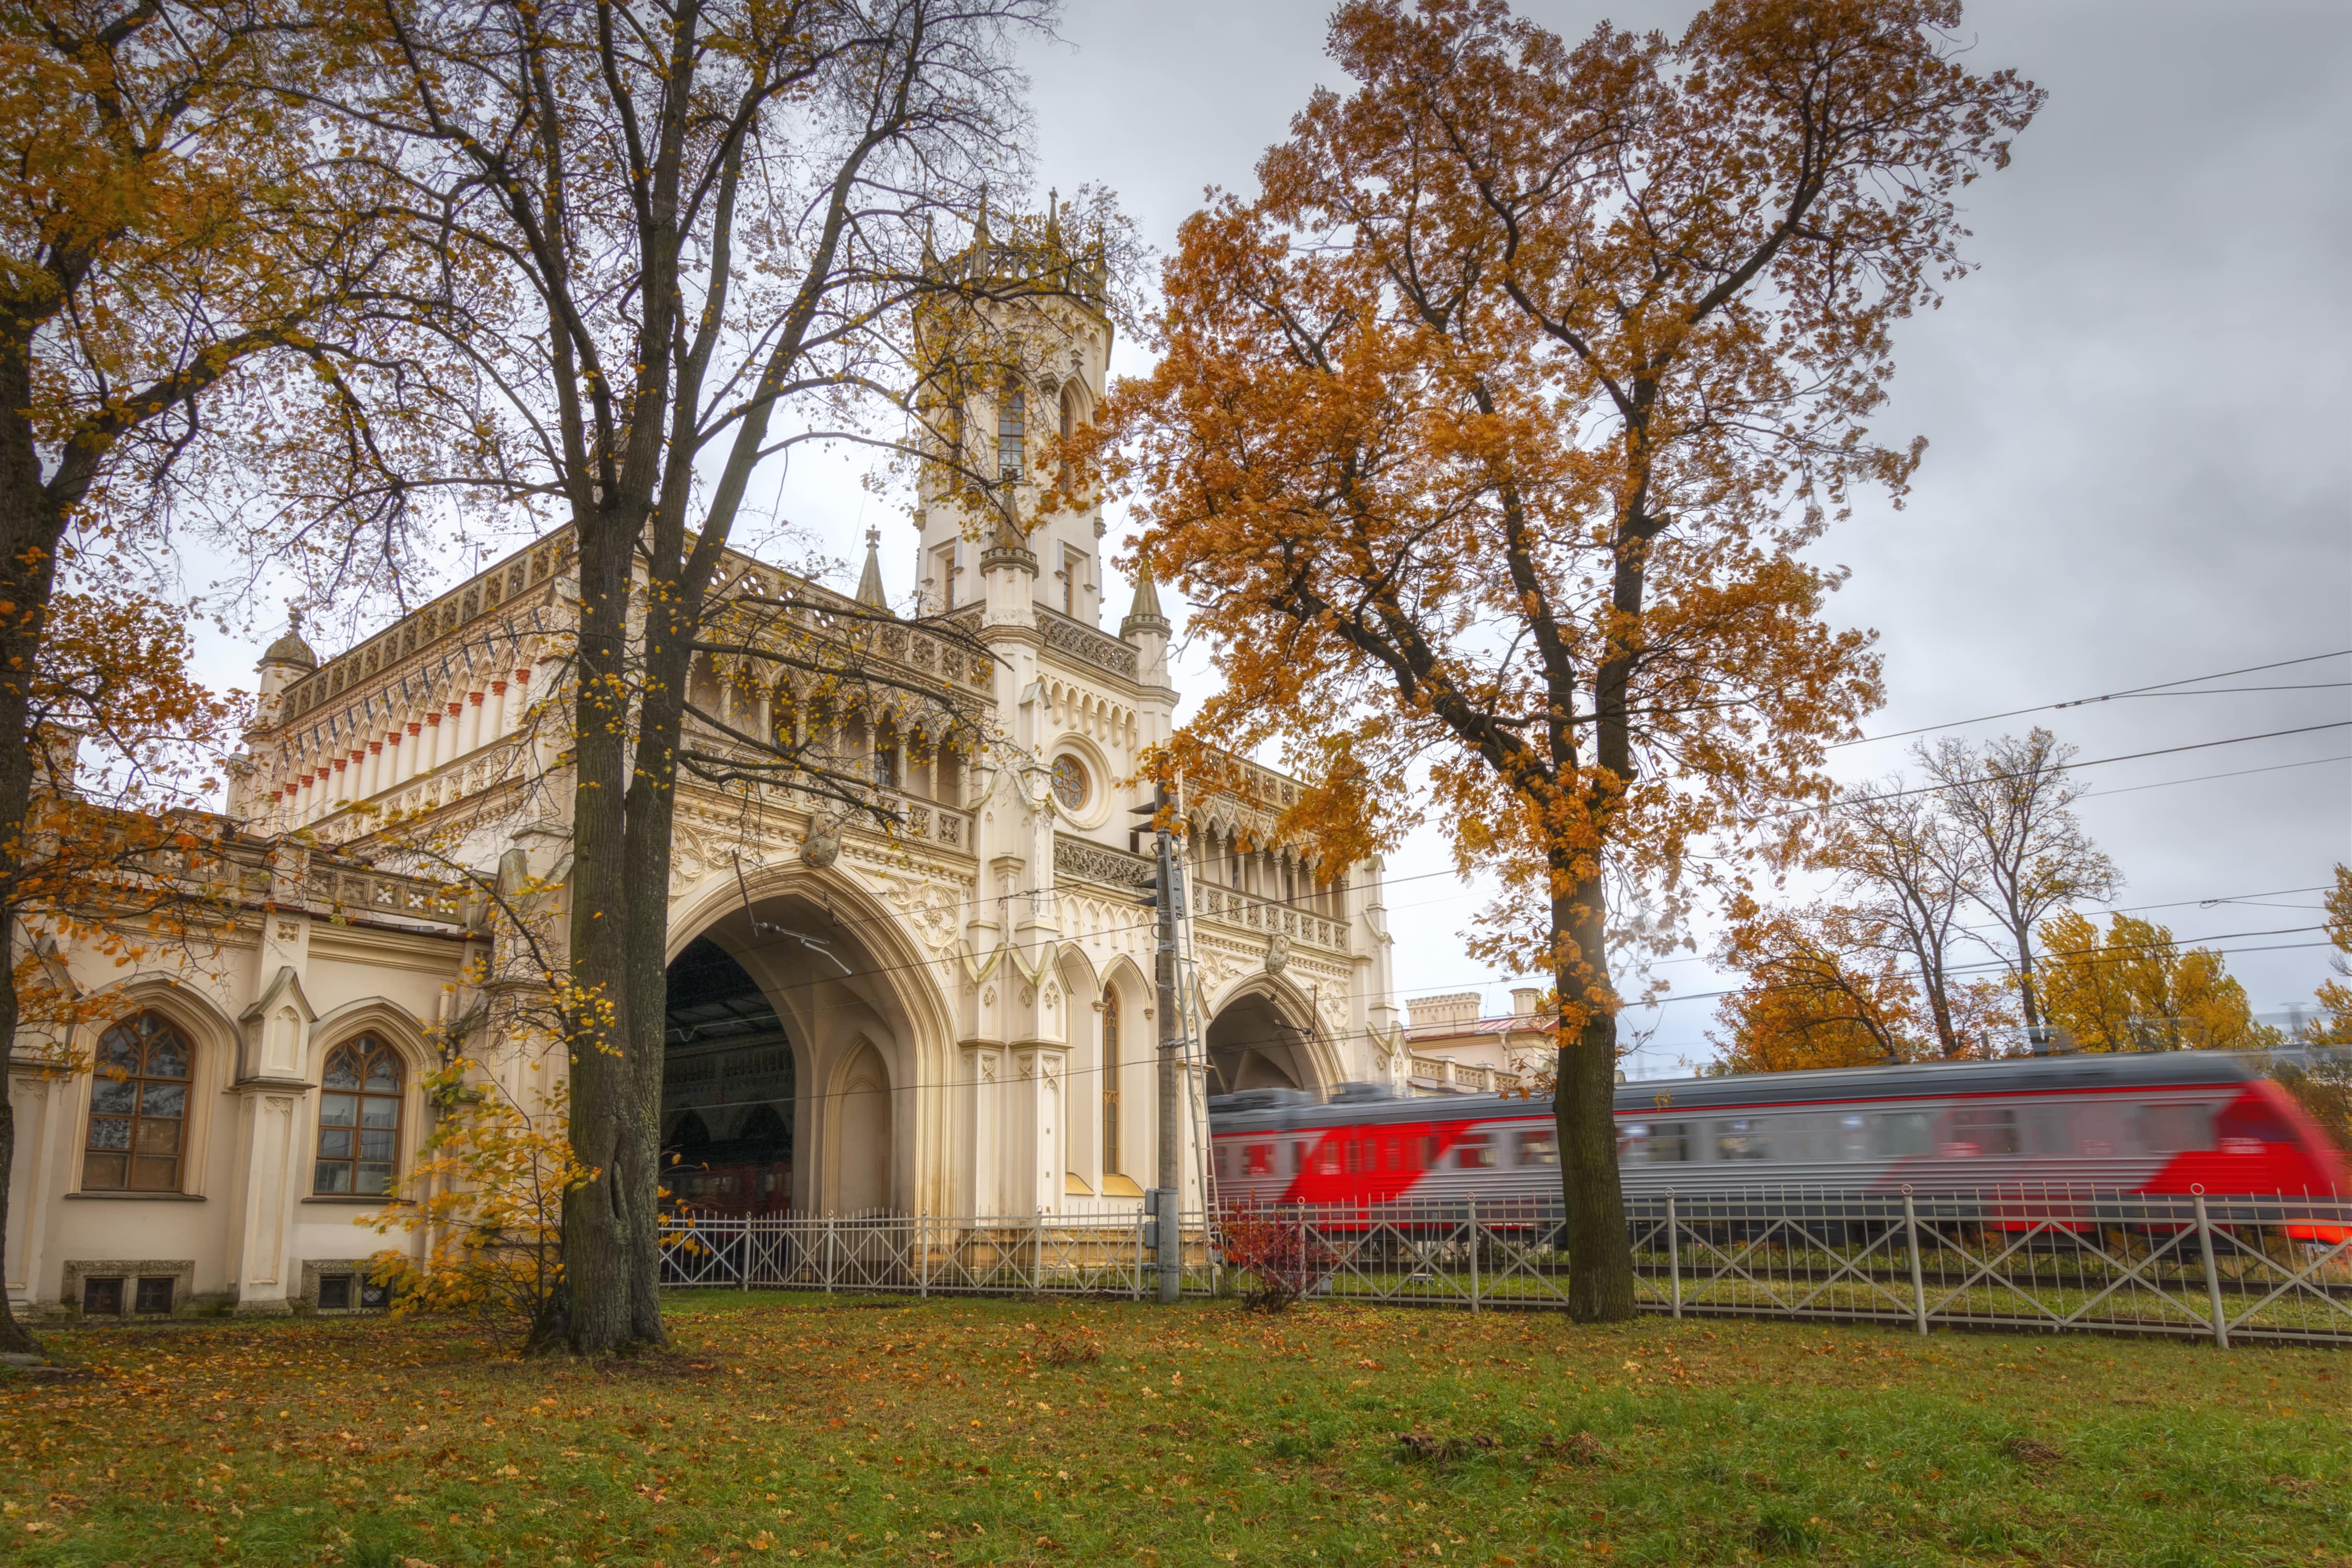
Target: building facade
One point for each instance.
(953, 1016)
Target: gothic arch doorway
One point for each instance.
(729, 1084)
(1255, 1043)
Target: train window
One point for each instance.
(1298, 1156)
(1475, 1152)
(1852, 1140)
(1395, 1155)
(1261, 1159)
(1902, 1133)
(1424, 1152)
(1325, 1157)
(1653, 1143)
(1982, 1130)
(1538, 1148)
(1742, 1139)
(2174, 1129)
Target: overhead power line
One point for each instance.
(2160, 687)
(2060, 768)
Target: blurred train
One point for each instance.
(2167, 1122)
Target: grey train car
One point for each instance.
(2177, 1122)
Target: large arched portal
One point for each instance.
(805, 963)
(727, 1083)
(1255, 1043)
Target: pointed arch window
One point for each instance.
(1110, 1152)
(138, 1108)
(359, 1120)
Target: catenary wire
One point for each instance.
(2080, 701)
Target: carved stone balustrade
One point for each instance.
(1245, 911)
(1076, 859)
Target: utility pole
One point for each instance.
(1167, 892)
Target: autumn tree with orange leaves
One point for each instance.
(1491, 435)
(175, 262)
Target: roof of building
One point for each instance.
(1507, 1023)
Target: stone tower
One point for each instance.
(1015, 364)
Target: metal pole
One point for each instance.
(743, 1276)
(1911, 1238)
(923, 1256)
(828, 1254)
(1171, 1067)
(1474, 1254)
(2212, 1275)
(1675, 1252)
(1139, 1255)
(1037, 1254)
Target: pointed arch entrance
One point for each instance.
(825, 977)
(729, 1081)
(1262, 1039)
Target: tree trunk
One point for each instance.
(607, 1219)
(29, 530)
(1600, 1262)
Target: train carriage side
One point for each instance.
(2151, 1124)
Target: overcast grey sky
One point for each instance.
(2138, 469)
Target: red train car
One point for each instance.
(2170, 1123)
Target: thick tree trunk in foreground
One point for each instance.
(609, 1221)
(1600, 1264)
(29, 528)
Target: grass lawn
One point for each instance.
(788, 1427)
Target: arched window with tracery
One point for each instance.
(1110, 1155)
(138, 1108)
(359, 1119)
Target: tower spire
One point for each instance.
(1144, 614)
(869, 582)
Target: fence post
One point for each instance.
(743, 1275)
(1911, 1241)
(1474, 1254)
(923, 1256)
(1138, 1291)
(1037, 1254)
(828, 1254)
(2212, 1275)
(1675, 1252)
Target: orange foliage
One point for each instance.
(1822, 991)
(1464, 466)
(116, 855)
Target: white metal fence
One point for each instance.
(2226, 1268)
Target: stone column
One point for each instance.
(269, 1116)
(978, 1131)
(41, 1102)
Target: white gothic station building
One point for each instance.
(953, 1019)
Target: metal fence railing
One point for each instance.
(2222, 1268)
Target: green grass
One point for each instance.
(891, 1431)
